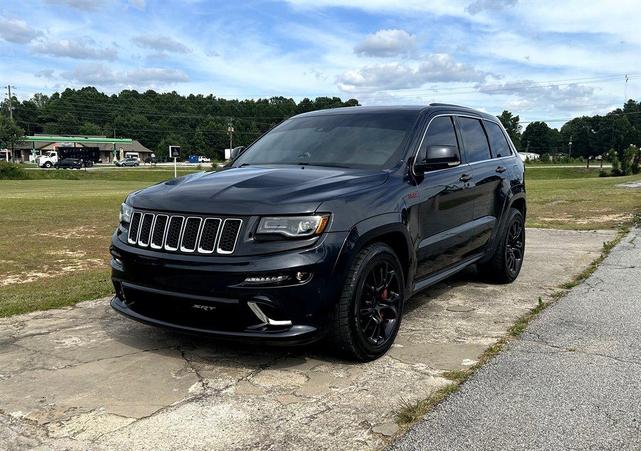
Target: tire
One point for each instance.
(505, 265)
(47, 164)
(369, 302)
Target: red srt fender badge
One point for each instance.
(412, 195)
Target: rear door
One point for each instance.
(486, 178)
(446, 207)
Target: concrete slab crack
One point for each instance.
(559, 348)
(190, 363)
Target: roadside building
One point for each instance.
(529, 156)
(26, 151)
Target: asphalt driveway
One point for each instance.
(86, 378)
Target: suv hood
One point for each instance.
(256, 190)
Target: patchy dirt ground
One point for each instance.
(86, 378)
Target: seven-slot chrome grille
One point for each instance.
(184, 233)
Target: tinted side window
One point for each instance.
(498, 143)
(439, 133)
(476, 145)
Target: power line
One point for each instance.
(507, 87)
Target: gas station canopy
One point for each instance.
(76, 139)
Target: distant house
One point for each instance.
(26, 151)
(529, 156)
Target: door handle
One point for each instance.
(500, 169)
(465, 178)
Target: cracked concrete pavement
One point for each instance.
(86, 378)
(570, 382)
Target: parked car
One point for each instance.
(88, 155)
(325, 227)
(131, 161)
(68, 163)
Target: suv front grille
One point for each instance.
(189, 234)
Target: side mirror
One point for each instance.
(235, 152)
(438, 157)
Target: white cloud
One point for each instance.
(45, 73)
(83, 48)
(17, 31)
(437, 68)
(478, 6)
(83, 5)
(105, 76)
(436, 7)
(528, 93)
(160, 43)
(391, 42)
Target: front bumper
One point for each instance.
(205, 295)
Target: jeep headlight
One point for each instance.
(125, 213)
(293, 226)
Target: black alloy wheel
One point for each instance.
(514, 246)
(378, 303)
(368, 314)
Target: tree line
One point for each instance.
(200, 124)
(585, 136)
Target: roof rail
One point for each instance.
(446, 104)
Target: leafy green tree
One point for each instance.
(538, 137)
(162, 149)
(629, 163)
(89, 128)
(10, 133)
(512, 126)
(198, 144)
(67, 124)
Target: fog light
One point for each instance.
(267, 279)
(303, 276)
(116, 263)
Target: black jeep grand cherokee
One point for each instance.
(324, 227)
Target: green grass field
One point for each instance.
(55, 232)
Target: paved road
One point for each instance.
(572, 382)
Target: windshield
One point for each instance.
(359, 140)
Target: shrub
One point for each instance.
(629, 155)
(636, 160)
(12, 171)
(603, 173)
(613, 158)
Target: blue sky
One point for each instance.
(545, 60)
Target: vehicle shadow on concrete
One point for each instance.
(209, 349)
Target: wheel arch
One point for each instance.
(387, 229)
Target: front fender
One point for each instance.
(369, 231)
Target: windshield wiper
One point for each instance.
(243, 165)
(327, 165)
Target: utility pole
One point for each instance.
(230, 130)
(10, 101)
(570, 148)
(625, 89)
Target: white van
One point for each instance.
(132, 155)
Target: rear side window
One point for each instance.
(439, 133)
(498, 143)
(476, 145)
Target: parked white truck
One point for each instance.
(48, 159)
